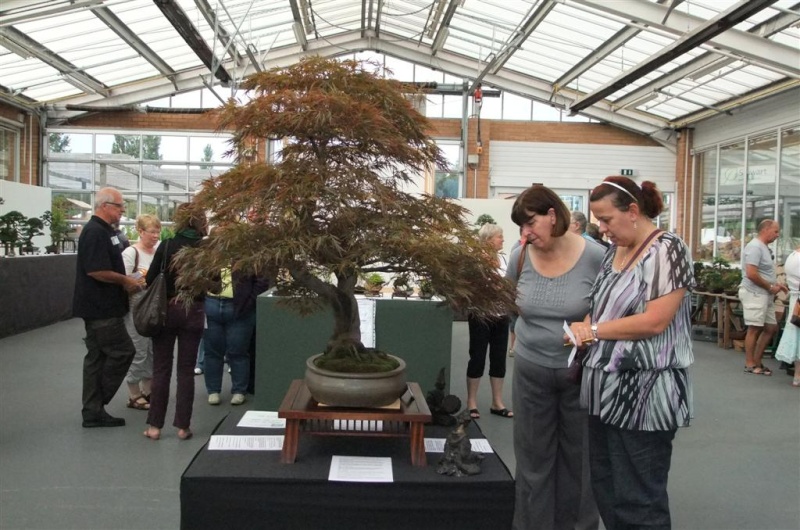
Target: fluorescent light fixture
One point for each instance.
(299, 34)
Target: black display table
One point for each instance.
(253, 489)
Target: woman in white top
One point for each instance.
(789, 347)
(138, 258)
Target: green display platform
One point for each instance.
(419, 331)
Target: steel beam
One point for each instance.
(700, 34)
(66, 68)
(444, 28)
(453, 64)
(519, 38)
(213, 22)
(757, 49)
(133, 40)
(177, 17)
(696, 66)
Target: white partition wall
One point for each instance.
(30, 201)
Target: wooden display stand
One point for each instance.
(304, 415)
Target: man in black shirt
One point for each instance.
(102, 301)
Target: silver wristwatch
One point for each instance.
(594, 333)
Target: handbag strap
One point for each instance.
(164, 259)
(135, 259)
(639, 250)
(521, 260)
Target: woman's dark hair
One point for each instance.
(648, 197)
(537, 200)
(187, 215)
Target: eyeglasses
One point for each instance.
(117, 204)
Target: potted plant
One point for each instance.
(10, 226)
(426, 291)
(56, 220)
(373, 284)
(332, 208)
(731, 278)
(699, 268)
(29, 229)
(402, 287)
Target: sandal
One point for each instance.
(185, 434)
(139, 403)
(152, 433)
(474, 414)
(502, 412)
(761, 370)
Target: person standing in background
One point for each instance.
(101, 299)
(757, 294)
(184, 324)
(137, 258)
(492, 333)
(789, 347)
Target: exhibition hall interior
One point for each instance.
(412, 130)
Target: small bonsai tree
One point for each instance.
(333, 209)
(10, 225)
(30, 228)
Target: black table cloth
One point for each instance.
(252, 489)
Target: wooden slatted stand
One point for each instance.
(305, 416)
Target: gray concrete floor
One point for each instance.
(737, 467)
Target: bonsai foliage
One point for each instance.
(332, 208)
(11, 225)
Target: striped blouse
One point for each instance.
(642, 384)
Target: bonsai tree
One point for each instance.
(30, 228)
(57, 221)
(333, 208)
(373, 283)
(402, 286)
(10, 226)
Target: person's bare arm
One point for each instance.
(130, 284)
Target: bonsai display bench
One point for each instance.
(304, 415)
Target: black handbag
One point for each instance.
(795, 318)
(150, 309)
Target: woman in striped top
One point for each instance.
(636, 383)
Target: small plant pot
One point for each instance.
(370, 390)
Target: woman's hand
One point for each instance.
(583, 334)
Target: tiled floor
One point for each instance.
(737, 467)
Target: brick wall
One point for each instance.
(30, 140)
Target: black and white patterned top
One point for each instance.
(642, 384)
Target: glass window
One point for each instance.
(516, 107)
(209, 149)
(163, 205)
(543, 112)
(164, 177)
(762, 163)
(453, 106)
(173, 148)
(197, 174)
(707, 174)
(492, 108)
(69, 145)
(729, 209)
(124, 146)
(69, 175)
(448, 183)
(789, 194)
(664, 220)
(120, 174)
(9, 154)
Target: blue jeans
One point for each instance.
(228, 336)
(629, 472)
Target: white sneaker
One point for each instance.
(213, 399)
(237, 399)
(198, 371)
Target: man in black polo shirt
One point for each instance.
(102, 301)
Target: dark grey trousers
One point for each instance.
(108, 357)
(553, 490)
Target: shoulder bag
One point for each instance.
(795, 319)
(150, 309)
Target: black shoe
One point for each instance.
(106, 420)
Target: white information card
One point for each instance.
(361, 469)
(262, 419)
(436, 445)
(245, 443)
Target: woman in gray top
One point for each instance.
(554, 272)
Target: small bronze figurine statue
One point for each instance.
(443, 407)
(458, 459)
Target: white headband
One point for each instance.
(621, 188)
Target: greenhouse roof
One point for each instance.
(646, 65)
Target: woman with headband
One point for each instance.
(635, 381)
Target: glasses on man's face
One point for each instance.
(117, 204)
